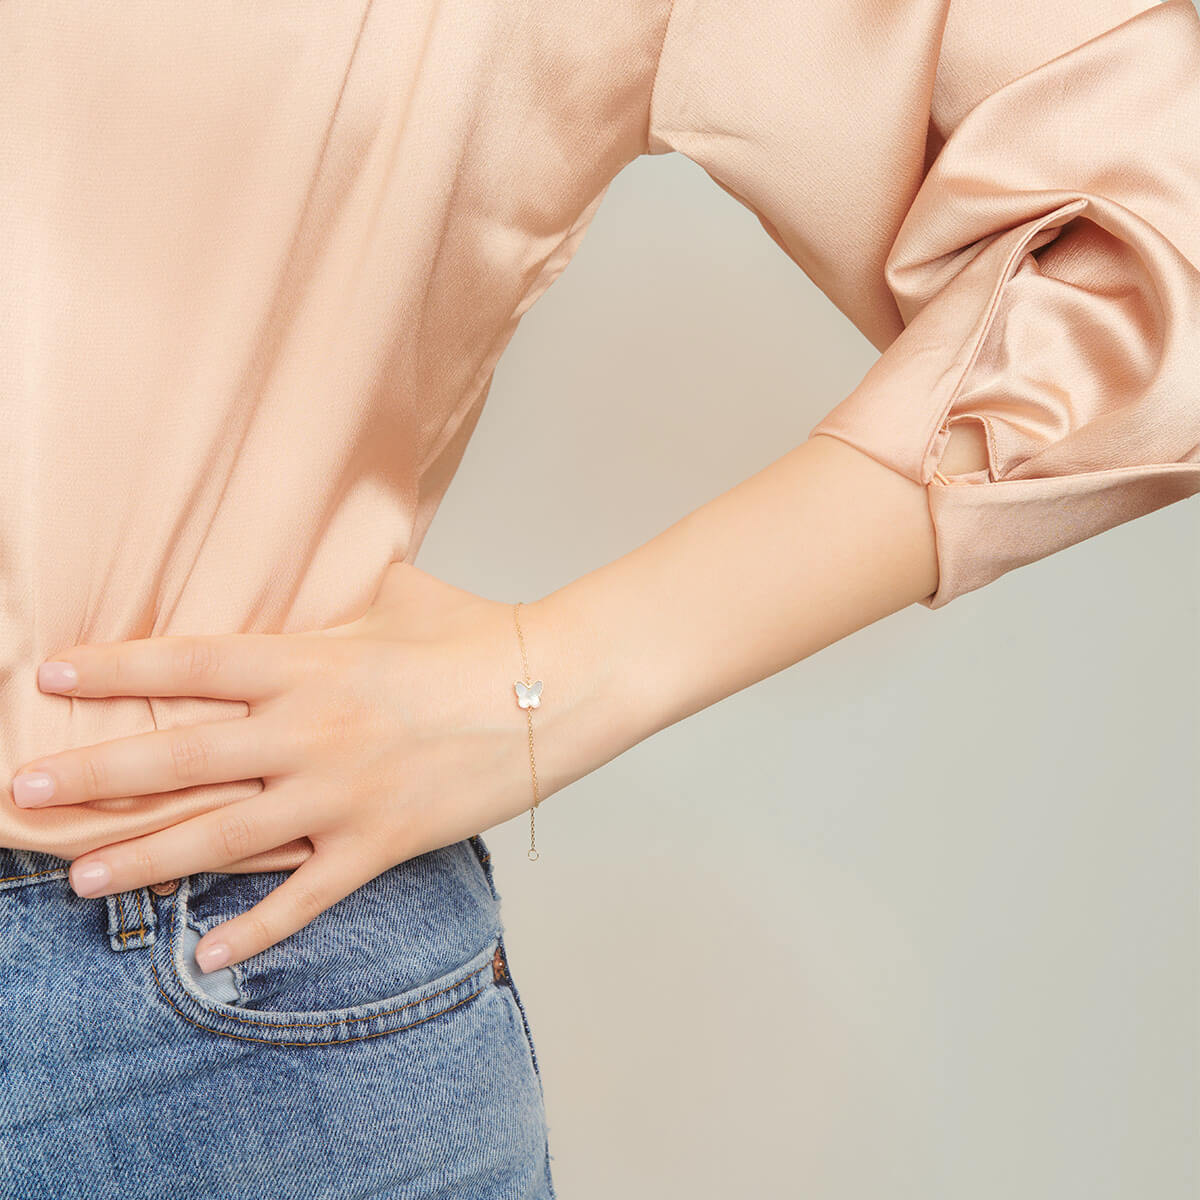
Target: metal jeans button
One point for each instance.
(165, 889)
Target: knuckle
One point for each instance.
(293, 736)
(307, 902)
(340, 725)
(195, 660)
(235, 836)
(143, 863)
(118, 670)
(94, 776)
(309, 655)
(258, 930)
(191, 756)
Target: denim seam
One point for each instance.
(34, 874)
(11, 883)
(336, 1041)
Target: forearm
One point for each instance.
(816, 545)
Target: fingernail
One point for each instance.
(90, 879)
(211, 957)
(31, 788)
(57, 677)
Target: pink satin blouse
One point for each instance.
(258, 263)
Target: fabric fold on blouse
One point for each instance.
(260, 262)
(260, 266)
(1045, 270)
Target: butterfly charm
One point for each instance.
(529, 695)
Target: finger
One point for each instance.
(233, 666)
(162, 760)
(206, 842)
(316, 885)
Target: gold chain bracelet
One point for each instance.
(529, 696)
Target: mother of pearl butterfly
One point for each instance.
(528, 695)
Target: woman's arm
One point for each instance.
(818, 544)
(1003, 199)
(398, 732)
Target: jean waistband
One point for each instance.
(129, 918)
(19, 867)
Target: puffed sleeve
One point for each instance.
(1005, 199)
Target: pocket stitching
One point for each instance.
(304, 1025)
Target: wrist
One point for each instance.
(586, 717)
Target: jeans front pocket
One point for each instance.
(414, 942)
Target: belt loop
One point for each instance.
(131, 919)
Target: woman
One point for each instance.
(261, 262)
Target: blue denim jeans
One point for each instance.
(381, 1051)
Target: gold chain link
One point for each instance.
(531, 853)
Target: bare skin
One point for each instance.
(818, 544)
(357, 730)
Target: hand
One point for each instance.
(379, 740)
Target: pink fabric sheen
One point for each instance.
(261, 261)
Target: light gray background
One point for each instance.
(916, 917)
